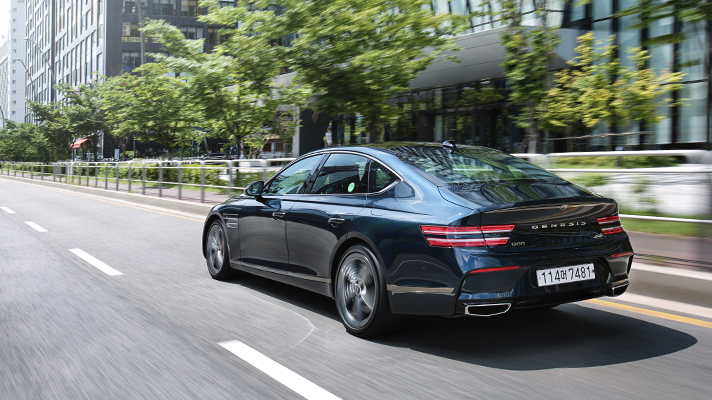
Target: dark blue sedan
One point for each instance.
(422, 229)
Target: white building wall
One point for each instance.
(4, 76)
(16, 74)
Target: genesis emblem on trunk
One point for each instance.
(559, 225)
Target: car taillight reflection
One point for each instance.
(466, 236)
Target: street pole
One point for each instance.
(140, 31)
(49, 67)
(28, 75)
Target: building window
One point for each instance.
(130, 60)
(13, 112)
(192, 32)
(14, 102)
(164, 7)
(14, 92)
(190, 8)
(130, 7)
(129, 29)
(215, 38)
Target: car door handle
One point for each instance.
(336, 221)
(278, 215)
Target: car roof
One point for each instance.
(394, 148)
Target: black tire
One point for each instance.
(216, 253)
(361, 297)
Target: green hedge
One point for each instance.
(615, 162)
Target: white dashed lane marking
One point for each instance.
(35, 226)
(95, 262)
(278, 372)
(7, 210)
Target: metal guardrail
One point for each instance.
(83, 173)
(126, 174)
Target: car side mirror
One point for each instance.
(255, 188)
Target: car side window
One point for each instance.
(291, 180)
(379, 177)
(342, 174)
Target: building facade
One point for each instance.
(468, 101)
(12, 73)
(77, 41)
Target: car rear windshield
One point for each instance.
(471, 165)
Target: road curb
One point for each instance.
(685, 286)
(199, 209)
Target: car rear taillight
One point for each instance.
(608, 220)
(613, 219)
(466, 236)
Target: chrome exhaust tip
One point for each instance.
(487, 310)
(618, 288)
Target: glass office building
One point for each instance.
(468, 102)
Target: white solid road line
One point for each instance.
(35, 226)
(277, 371)
(7, 210)
(95, 262)
(668, 305)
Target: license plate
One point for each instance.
(573, 273)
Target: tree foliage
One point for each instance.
(150, 104)
(355, 55)
(22, 142)
(529, 48)
(597, 89)
(232, 89)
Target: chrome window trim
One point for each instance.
(287, 273)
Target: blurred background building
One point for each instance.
(441, 105)
(76, 41)
(12, 72)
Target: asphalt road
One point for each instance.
(163, 329)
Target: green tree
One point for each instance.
(53, 125)
(22, 142)
(597, 89)
(356, 55)
(233, 87)
(83, 112)
(529, 50)
(151, 104)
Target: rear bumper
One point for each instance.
(493, 293)
(465, 305)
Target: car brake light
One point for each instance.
(493, 269)
(613, 219)
(612, 230)
(608, 220)
(466, 236)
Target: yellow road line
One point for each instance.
(105, 201)
(671, 317)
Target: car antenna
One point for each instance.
(449, 145)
